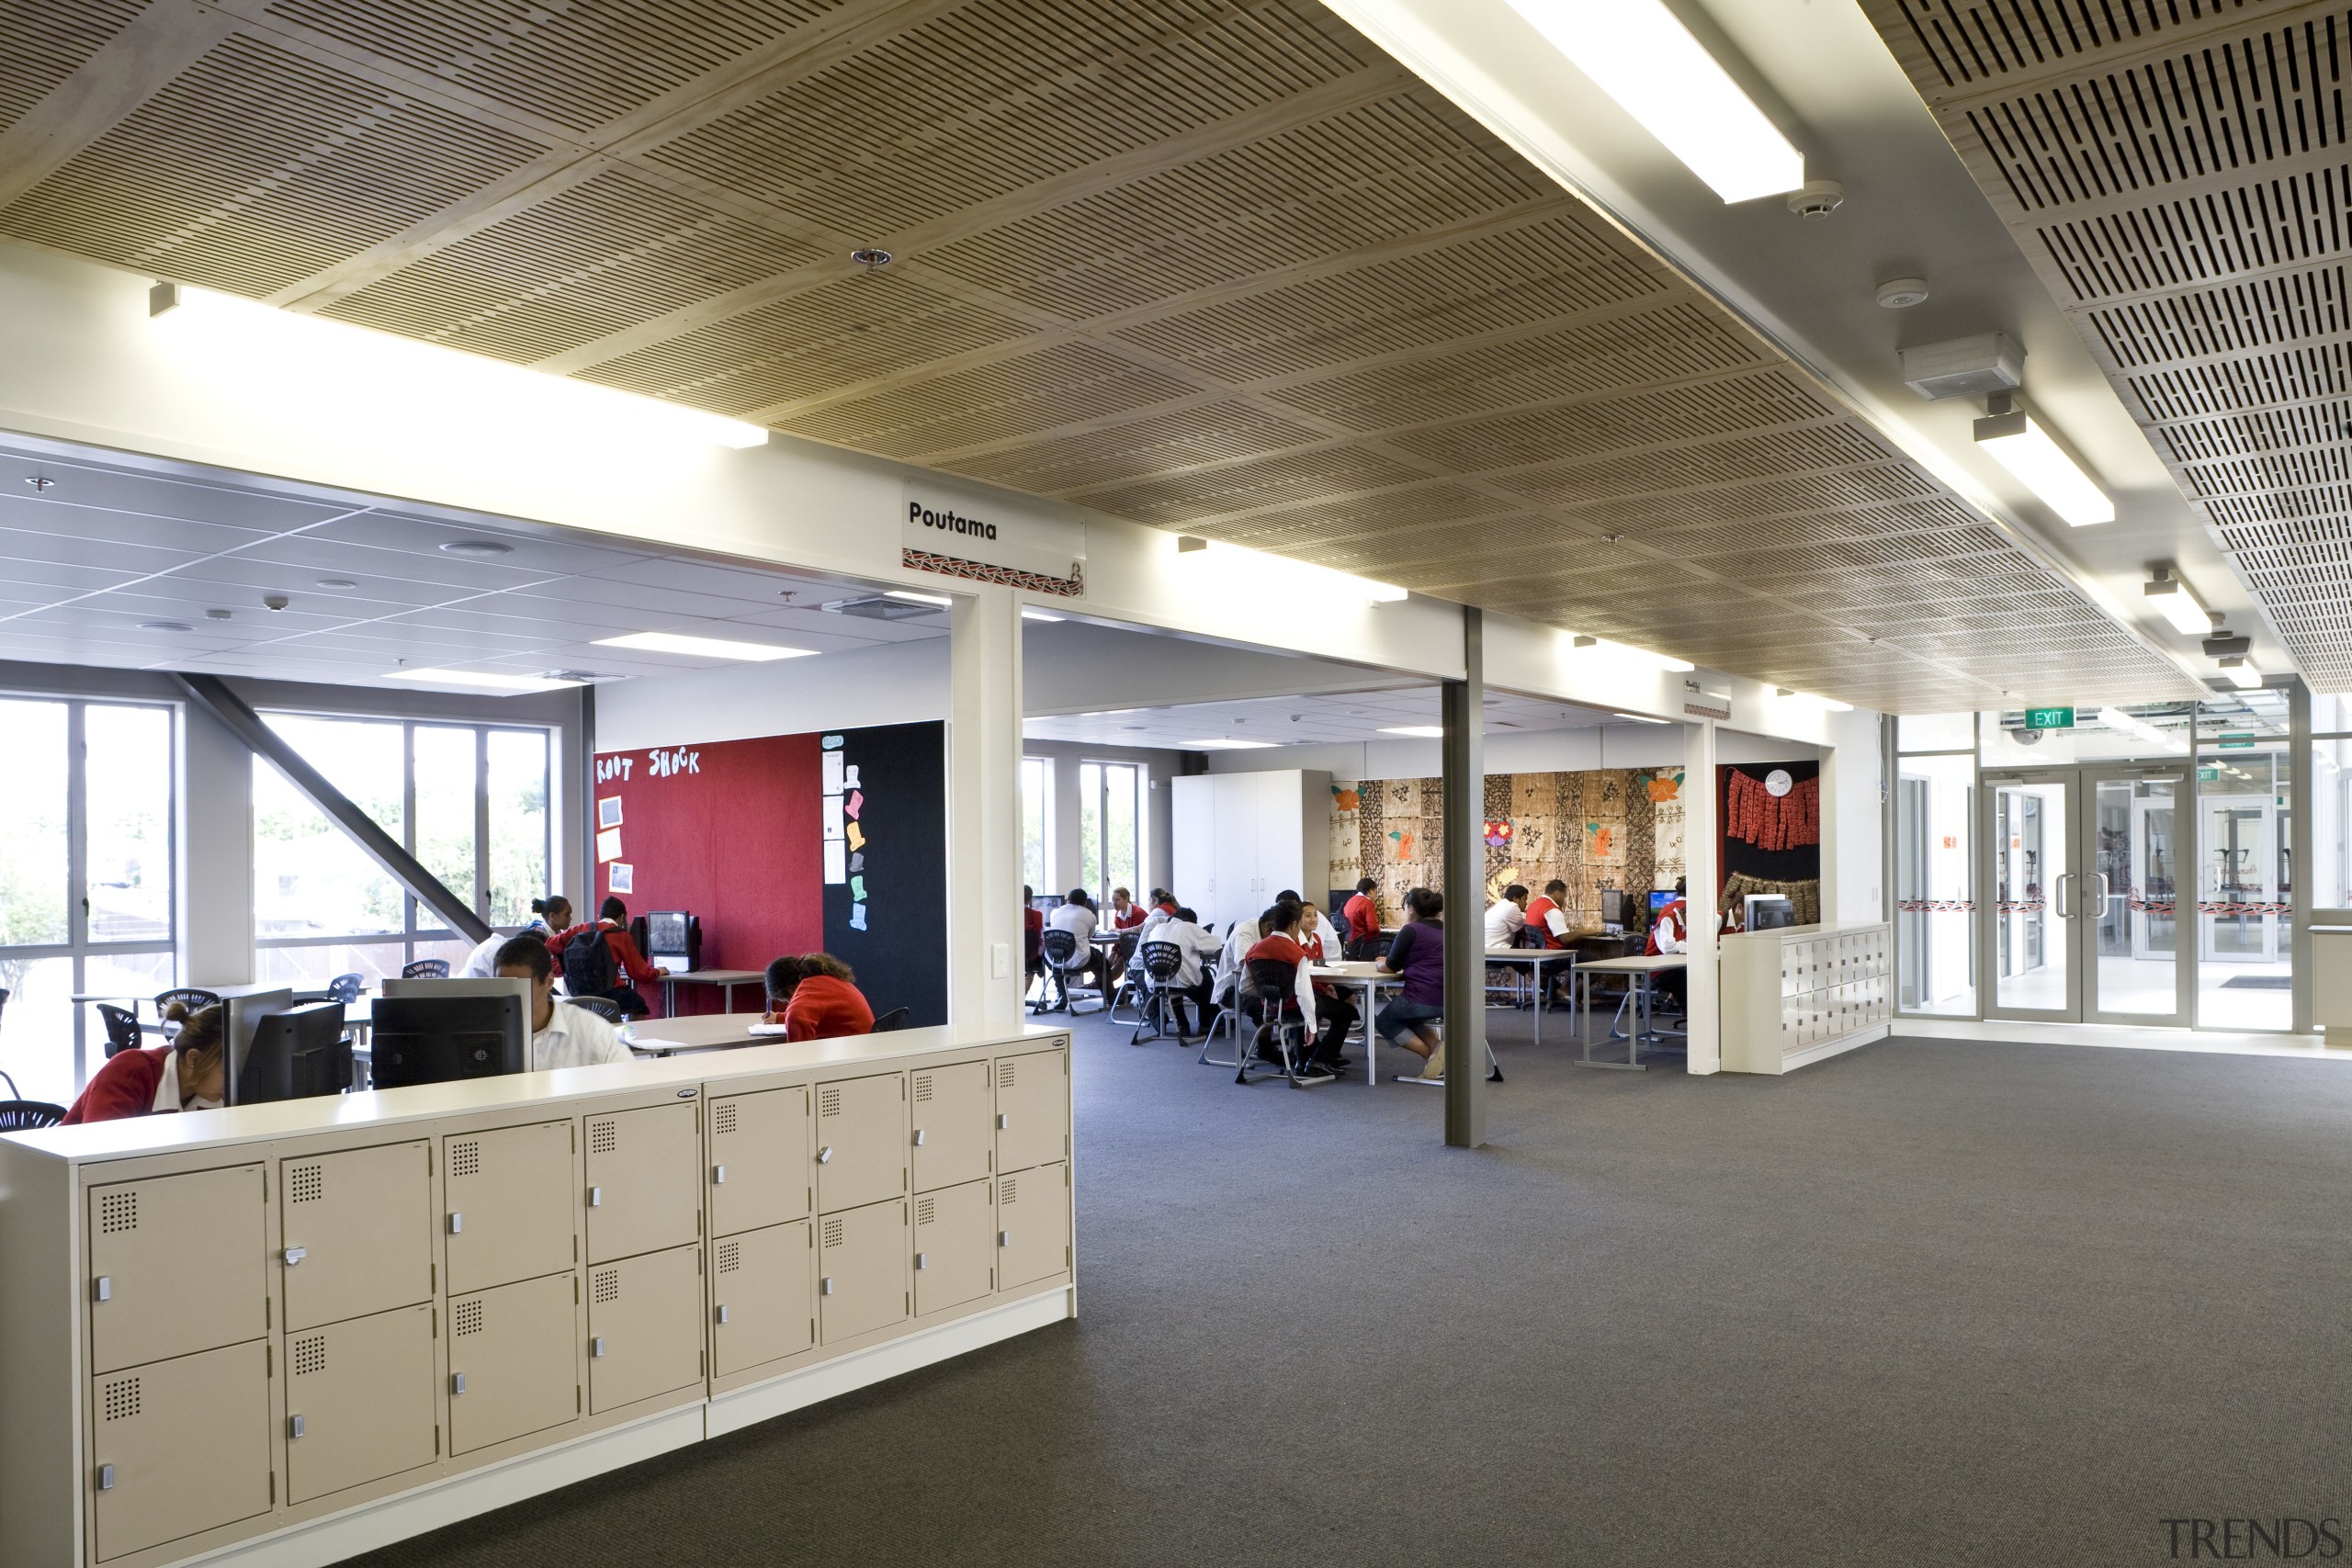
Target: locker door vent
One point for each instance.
(1004, 1075)
(306, 1183)
(118, 1212)
(121, 1399)
(465, 1318)
(603, 1137)
(923, 1087)
(828, 1102)
(309, 1355)
(722, 1117)
(1005, 1189)
(924, 1210)
(605, 1286)
(833, 1232)
(730, 1257)
(465, 1159)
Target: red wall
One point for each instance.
(729, 830)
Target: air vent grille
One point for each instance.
(730, 1257)
(922, 1088)
(1007, 1188)
(308, 1355)
(604, 1136)
(604, 1285)
(305, 1183)
(834, 1231)
(924, 1209)
(118, 1212)
(465, 1318)
(121, 1399)
(828, 1101)
(1004, 1072)
(722, 1117)
(465, 1158)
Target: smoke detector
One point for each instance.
(1816, 198)
(1902, 293)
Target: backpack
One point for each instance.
(588, 966)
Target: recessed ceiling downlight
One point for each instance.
(165, 626)
(477, 548)
(336, 584)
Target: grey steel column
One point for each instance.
(230, 708)
(2302, 779)
(1464, 769)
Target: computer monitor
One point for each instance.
(1769, 912)
(246, 1006)
(1659, 898)
(1616, 909)
(448, 1033)
(294, 1055)
(670, 934)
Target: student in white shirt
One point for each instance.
(1242, 936)
(550, 915)
(1192, 983)
(1076, 916)
(561, 1035)
(1506, 917)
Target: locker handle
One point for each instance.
(825, 1154)
(295, 1255)
(722, 1312)
(922, 1259)
(825, 1287)
(596, 1347)
(293, 1426)
(595, 1197)
(1004, 1238)
(719, 1176)
(105, 1288)
(456, 1222)
(457, 1383)
(1003, 1119)
(105, 1478)
(918, 1137)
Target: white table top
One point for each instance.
(718, 976)
(1639, 963)
(1354, 970)
(700, 1031)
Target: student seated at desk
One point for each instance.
(561, 1035)
(1335, 1013)
(1033, 931)
(1076, 916)
(616, 977)
(186, 1074)
(1192, 982)
(1670, 934)
(1362, 915)
(1417, 954)
(815, 996)
(1280, 942)
(1239, 938)
(1506, 917)
(550, 916)
(1126, 913)
(1547, 924)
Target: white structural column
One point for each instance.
(216, 884)
(984, 807)
(1702, 838)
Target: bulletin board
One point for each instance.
(886, 902)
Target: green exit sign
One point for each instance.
(2050, 719)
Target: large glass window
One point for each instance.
(1033, 822)
(87, 896)
(1935, 851)
(471, 802)
(2245, 884)
(1110, 814)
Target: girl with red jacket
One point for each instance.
(186, 1074)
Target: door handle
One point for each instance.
(456, 1222)
(103, 1288)
(922, 1260)
(722, 1312)
(825, 1154)
(295, 1255)
(2106, 892)
(595, 1197)
(105, 1478)
(293, 1426)
(596, 1347)
(2058, 895)
(456, 1384)
(825, 1288)
(918, 1137)
(719, 1176)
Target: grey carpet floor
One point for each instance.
(1930, 1303)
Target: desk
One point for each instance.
(1639, 972)
(1535, 958)
(726, 979)
(708, 1032)
(1370, 976)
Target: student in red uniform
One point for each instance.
(186, 1074)
(1362, 915)
(826, 1004)
(1334, 1011)
(1549, 921)
(1032, 934)
(1281, 940)
(628, 970)
(1126, 913)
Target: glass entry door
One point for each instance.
(2083, 923)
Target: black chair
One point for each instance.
(890, 1022)
(123, 1032)
(26, 1116)
(1275, 1007)
(603, 1007)
(1061, 950)
(1161, 960)
(193, 998)
(346, 988)
(427, 969)
(4, 998)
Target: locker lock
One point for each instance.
(918, 1137)
(825, 1154)
(825, 1286)
(457, 1383)
(295, 1255)
(595, 1197)
(293, 1426)
(597, 1346)
(105, 1478)
(922, 1259)
(456, 1222)
(722, 1312)
(105, 1288)
(719, 1176)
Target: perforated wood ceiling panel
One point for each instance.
(2177, 170)
(1217, 266)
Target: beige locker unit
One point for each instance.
(954, 1245)
(759, 1159)
(644, 1327)
(762, 1297)
(359, 1402)
(508, 1198)
(1032, 1109)
(357, 1230)
(861, 1140)
(149, 1422)
(862, 1259)
(1032, 1224)
(177, 1263)
(514, 1362)
(954, 1138)
(644, 1186)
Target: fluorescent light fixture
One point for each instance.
(1832, 704)
(2012, 439)
(702, 647)
(2116, 718)
(1030, 613)
(488, 680)
(2241, 673)
(1641, 718)
(1641, 655)
(1221, 744)
(2171, 596)
(421, 390)
(1381, 592)
(1418, 731)
(1637, 51)
(911, 597)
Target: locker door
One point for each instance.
(953, 1139)
(954, 1251)
(861, 1140)
(510, 1197)
(759, 1159)
(862, 1271)
(1032, 1225)
(513, 1362)
(644, 1327)
(761, 1294)
(177, 1263)
(644, 1186)
(181, 1446)
(1032, 1109)
(358, 1232)
(359, 1402)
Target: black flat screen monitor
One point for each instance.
(294, 1055)
(1769, 913)
(1616, 909)
(444, 1038)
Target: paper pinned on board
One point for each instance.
(830, 742)
(856, 861)
(849, 779)
(857, 888)
(856, 837)
(835, 871)
(858, 917)
(832, 772)
(608, 811)
(832, 817)
(623, 877)
(608, 844)
(856, 801)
